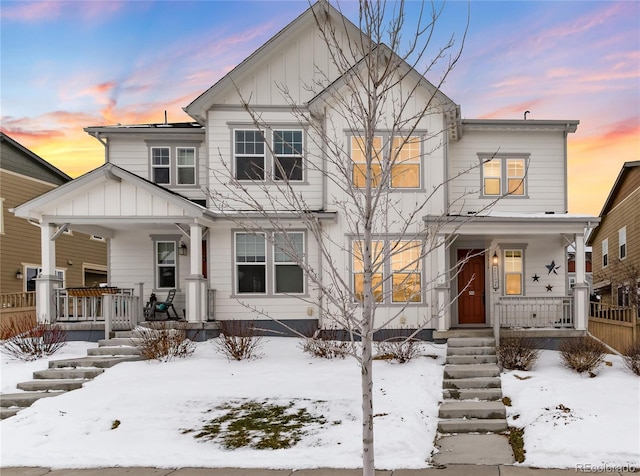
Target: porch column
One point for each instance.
(196, 293)
(580, 259)
(581, 306)
(443, 304)
(47, 281)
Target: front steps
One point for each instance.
(69, 374)
(471, 388)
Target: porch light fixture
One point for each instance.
(495, 280)
(494, 260)
(182, 249)
(19, 274)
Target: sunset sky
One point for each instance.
(66, 65)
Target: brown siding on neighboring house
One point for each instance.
(622, 209)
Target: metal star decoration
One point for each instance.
(549, 288)
(552, 267)
(536, 278)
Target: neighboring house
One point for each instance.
(571, 266)
(81, 260)
(616, 242)
(165, 231)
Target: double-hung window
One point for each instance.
(255, 255)
(404, 160)
(513, 272)
(32, 272)
(186, 165)
(287, 151)
(605, 252)
(250, 154)
(396, 270)
(166, 264)
(160, 165)
(622, 242)
(503, 176)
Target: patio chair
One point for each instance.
(155, 307)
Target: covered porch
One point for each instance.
(155, 243)
(509, 272)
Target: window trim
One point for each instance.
(506, 273)
(1, 215)
(155, 167)
(275, 156)
(173, 146)
(386, 147)
(387, 271)
(504, 157)
(179, 167)
(269, 264)
(622, 243)
(175, 239)
(605, 252)
(288, 263)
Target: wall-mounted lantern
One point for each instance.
(182, 248)
(19, 274)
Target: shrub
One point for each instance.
(401, 349)
(631, 356)
(582, 354)
(517, 352)
(319, 345)
(161, 343)
(15, 324)
(30, 342)
(238, 340)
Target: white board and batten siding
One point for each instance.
(545, 177)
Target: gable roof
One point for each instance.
(178, 208)
(34, 158)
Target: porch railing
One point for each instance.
(613, 313)
(535, 312)
(121, 312)
(23, 299)
(87, 304)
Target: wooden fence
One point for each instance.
(617, 326)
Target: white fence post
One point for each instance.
(496, 323)
(107, 310)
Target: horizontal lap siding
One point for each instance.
(545, 177)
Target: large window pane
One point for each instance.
(358, 269)
(492, 173)
(405, 172)
(160, 165)
(186, 164)
(358, 155)
(249, 155)
(405, 266)
(513, 272)
(289, 279)
(251, 263)
(515, 175)
(166, 264)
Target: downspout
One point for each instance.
(566, 170)
(323, 128)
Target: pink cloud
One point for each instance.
(512, 109)
(33, 11)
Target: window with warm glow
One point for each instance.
(503, 176)
(513, 272)
(358, 270)
(405, 269)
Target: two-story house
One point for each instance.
(496, 214)
(616, 255)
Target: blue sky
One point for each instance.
(72, 64)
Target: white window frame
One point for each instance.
(513, 272)
(159, 266)
(239, 264)
(180, 167)
(277, 134)
(291, 262)
(1, 215)
(244, 155)
(605, 252)
(160, 166)
(504, 178)
(622, 243)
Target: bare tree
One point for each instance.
(376, 91)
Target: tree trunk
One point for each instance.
(366, 369)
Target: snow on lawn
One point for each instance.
(155, 402)
(571, 419)
(14, 371)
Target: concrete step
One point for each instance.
(67, 373)
(471, 351)
(455, 333)
(479, 382)
(459, 371)
(8, 412)
(114, 350)
(472, 409)
(472, 426)
(471, 342)
(472, 359)
(472, 393)
(51, 384)
(131, 341)
(123, 334)
(96, 361)
(24, 399)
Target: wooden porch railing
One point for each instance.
(11, 300)
(617, 326)
(87, 304)
(535, 312)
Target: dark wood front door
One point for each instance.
(471, 287)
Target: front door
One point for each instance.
(471, 287)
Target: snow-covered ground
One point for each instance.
(155, 402)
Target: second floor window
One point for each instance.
(503, 176)
(186, 165)
(160, 165)
(605, 253)
(279, 159)
(622, 242)
(405, 157)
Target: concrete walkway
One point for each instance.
(451, 470)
